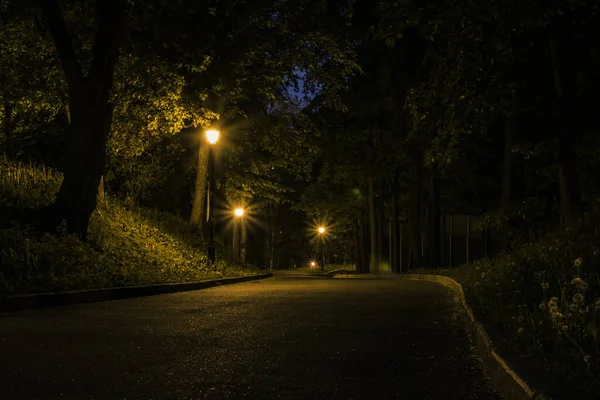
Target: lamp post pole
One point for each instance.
(211, 205)
(322, 253)
(212, 136)
(321, 231)
(238, 219)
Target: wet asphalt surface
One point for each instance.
(285, 337)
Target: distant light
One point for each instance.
(321, 229)
(239, 212)
(212, 135)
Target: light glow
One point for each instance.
(321, 229)
(239, 212)
(212, 135)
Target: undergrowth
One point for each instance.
(127, 245)
(544, 300)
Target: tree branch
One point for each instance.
(64, 45)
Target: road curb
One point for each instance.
(507, 380)
(43, 300)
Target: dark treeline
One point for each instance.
(366, 115)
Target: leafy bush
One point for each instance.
(545, 300)
(127, 245)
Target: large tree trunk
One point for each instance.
(395, 237)
(374, 263)
(90, 109)
(199, 201)
(434, 221)
(415, 257)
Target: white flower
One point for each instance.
(579, 284)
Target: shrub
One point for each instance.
(127, 245)
(545, 299)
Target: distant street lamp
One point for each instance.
(321, 231)
(212, 136)
(239, 214)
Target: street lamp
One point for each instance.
(239, 213)
(212, 136)
(321, 231)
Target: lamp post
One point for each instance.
(212, 136)
(239, 214)
(321, 231)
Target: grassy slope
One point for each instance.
(128, 245)
(536, 307)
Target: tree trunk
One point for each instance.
(507, 171)
(270, 214)
(101, 193)
(380, 233)
(434, 221)
(415, 256)
(8, 130)
(395, 237)
(363, 233)
(199, 201)
(90, 109)
(357, 245)
(374, 263)
(570, 197)
(568, 177)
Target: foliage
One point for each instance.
(127, 245)
(545, 300)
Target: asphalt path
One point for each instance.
(287, 337)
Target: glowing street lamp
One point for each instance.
(239, 212)
(321, 230)
(212, 136)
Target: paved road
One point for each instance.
(281, 338)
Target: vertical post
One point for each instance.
(322, 253)
(236, 239)
(243, 244)
(211, 201)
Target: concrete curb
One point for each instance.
(510, 384)
(43, 300)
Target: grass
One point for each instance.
(543, 302)
(127, 245)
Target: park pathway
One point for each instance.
(287, 337)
